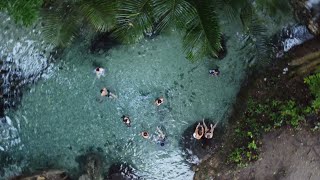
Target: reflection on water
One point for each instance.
(61, 118)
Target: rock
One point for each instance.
(121, 172)
(44, 175)
(91, 165)
(195, 150)
(308, 12)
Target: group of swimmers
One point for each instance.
(200, 131)
(203, 130)
(104, 92)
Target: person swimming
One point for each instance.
(159, 101)
(161, 137)
(145, 134)
(208, 132)
(214, 72)
(126, 120)
(199, 131)
(99, 72)
(105, 92)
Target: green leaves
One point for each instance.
(99, 13)
(22, 11)
(134, 18)
(172, 13)
(203, 32)
(61, 25)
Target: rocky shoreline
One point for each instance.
(273, 83)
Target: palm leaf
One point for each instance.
(172, 12)
(203, 34)
(59, 27)
(133, 20)
(99, 13)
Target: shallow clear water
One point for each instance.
(61, 117)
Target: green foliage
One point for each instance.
(25, 11)
(63, 20)
(290, 113)
(313, 82)
(261, 117)
(134, 18)
(203, 32)
(272, 7)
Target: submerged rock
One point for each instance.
(121, 172)
(102, 42)
(194, 149)
(45, 175)
(91, 165)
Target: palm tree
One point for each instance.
(130, 20)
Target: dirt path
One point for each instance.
(285, 155)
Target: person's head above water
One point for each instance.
(214, 72)
(104, 92)
(97, 69)
(162, 144)
(145, 134)
(159, 101)
(126, 120)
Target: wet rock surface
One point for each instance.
(289, 37)
(91, 166)
(194, 149)
(122, 172)
(308, 12)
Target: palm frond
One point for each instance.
(172, 12)
(133, 20)
(272, 7)
(99, 13)
(203, 34)
(58, 28)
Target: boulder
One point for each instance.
(308, 12)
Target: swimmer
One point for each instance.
(145, 134)
(214, 72)
(126, 120)
(105, 92)
(208, 132)
(159, 101)
(161, 135)
(99, 72)
(199, 131)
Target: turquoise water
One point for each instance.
(60, 117)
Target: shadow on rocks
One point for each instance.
(195, 150)
(102, 43)
(120, 171)
(91, 166)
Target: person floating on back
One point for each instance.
(199, 131)
(161, 137)
(214, 72)
(126, 120)
(105, 92)
(159, 101)
(145, 135)
(99, 72)
(208, 132)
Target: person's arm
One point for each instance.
(205, 126)
(196, 130)
(160, 132)
(215, 125)
(113, 95)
